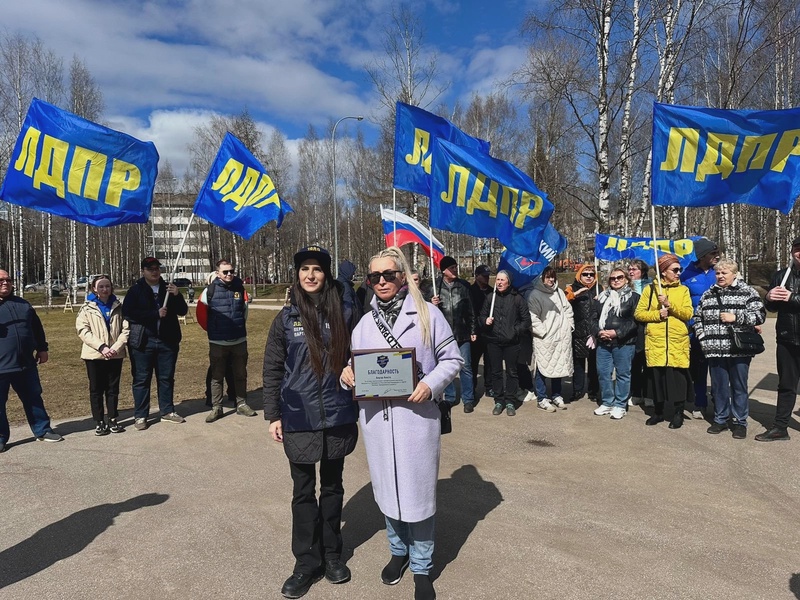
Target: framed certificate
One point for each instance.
(385, 374)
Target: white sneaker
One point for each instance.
(529, 396)
(697, 414)
(602, 410)
(617, 412)
(649, 402)
(559, 402)
(634, 401)
(544, 404)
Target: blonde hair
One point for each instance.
(401, 264)
(727, 263)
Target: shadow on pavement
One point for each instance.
(65, 538)
(463, 501)
(794, 585)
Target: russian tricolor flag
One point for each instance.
(409, 231)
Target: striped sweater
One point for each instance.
(739, 299)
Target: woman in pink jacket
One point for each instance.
(402, 437)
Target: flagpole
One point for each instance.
(180, 251)
(394, 215)
(494, 295)
(786, 275)
(430, 243)
(655, 249)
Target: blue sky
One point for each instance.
(166, 66)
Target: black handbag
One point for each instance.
(444, 406)
(743, 342)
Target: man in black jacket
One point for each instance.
(479, 292)
(152, 308)
(785, 300)
(22, 347)
(453, 299)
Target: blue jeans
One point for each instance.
(160, 357)
(610, 359)
(467, 391)
(29, 389)
(729, 388)
(541, 387)
(414, 539)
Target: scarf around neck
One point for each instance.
(391, 308)
(611, 301)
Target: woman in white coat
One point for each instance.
(552, 323)
(104, 334)
(402, 437)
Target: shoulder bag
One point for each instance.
(744, 342)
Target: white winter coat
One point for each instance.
(552, 323)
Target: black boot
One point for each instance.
(423, 588)
(677, 420)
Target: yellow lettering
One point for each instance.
(86, 173)
(682, 140)
(719, 156)
(27, 154)
(51, 168)
(683, 247)
(508, 199)
(754, 151)
(246, 187)
(229, 177)
(476, 201)
(265, 193)
(461, 193)
(124, 176)
(530, 206)
(618, 243)
(420, 154)
(788, 146)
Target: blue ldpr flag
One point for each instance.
(476, 194)
(525, 269)
(67, 166)
(238, 195)
(414, 132)
(710, 156)
(614, 248)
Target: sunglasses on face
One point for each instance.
(388, 276)
(587, 274)
(228, 272)
(617, 278)
(7, 280)
(676, 270)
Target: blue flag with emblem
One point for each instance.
(67, 166)
(414, 132)
(614, 248)
(476, 194)
(710, 156)
(238, 194)
(525, 269)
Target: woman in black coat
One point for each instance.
(505, 319)
(581, 295)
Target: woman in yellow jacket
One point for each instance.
(665, 313)
(104, 334)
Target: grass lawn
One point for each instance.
(66, 386)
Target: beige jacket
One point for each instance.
(93, 332)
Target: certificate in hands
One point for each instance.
(385, 374)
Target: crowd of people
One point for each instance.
(632, 340)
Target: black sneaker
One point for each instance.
(654, 420)
(50, 436)
(2, 447)
(423, 588)
(739, 432)
(489, 393)
(115, 427)
(775, 434)
(677, 421)
(298, 584)
(510, 410)
(101, 428)
(717, 428)
(498, 409)
(468, 407)
(336, 571)
(393, 571)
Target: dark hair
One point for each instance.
(97, 278)
(643, 266)
(223, 261)
(549, 272)
(331, 310)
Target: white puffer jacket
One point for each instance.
(94, 333)
(552, 325)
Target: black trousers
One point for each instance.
(670, 384)
(476, 350)
(638, 375)
(316, 525)
(504, 394)
(579, 375)
(788, 358)
(104, 378)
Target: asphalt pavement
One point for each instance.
(540, 505)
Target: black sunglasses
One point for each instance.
(617, 278)
(587, 274)
(676, 270)
(228, 272)
(388, 276)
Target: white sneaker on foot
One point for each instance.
(617, 413)
(634, 400)
(529, 396)
(544, 404)
(602, 410)
(559, 402)
(697, 414)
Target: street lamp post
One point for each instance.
(333, 190)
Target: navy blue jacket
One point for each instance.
(140, 308)
(21, 334)
(292, 392)
(226, 311)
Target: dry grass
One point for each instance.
(66, 386)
